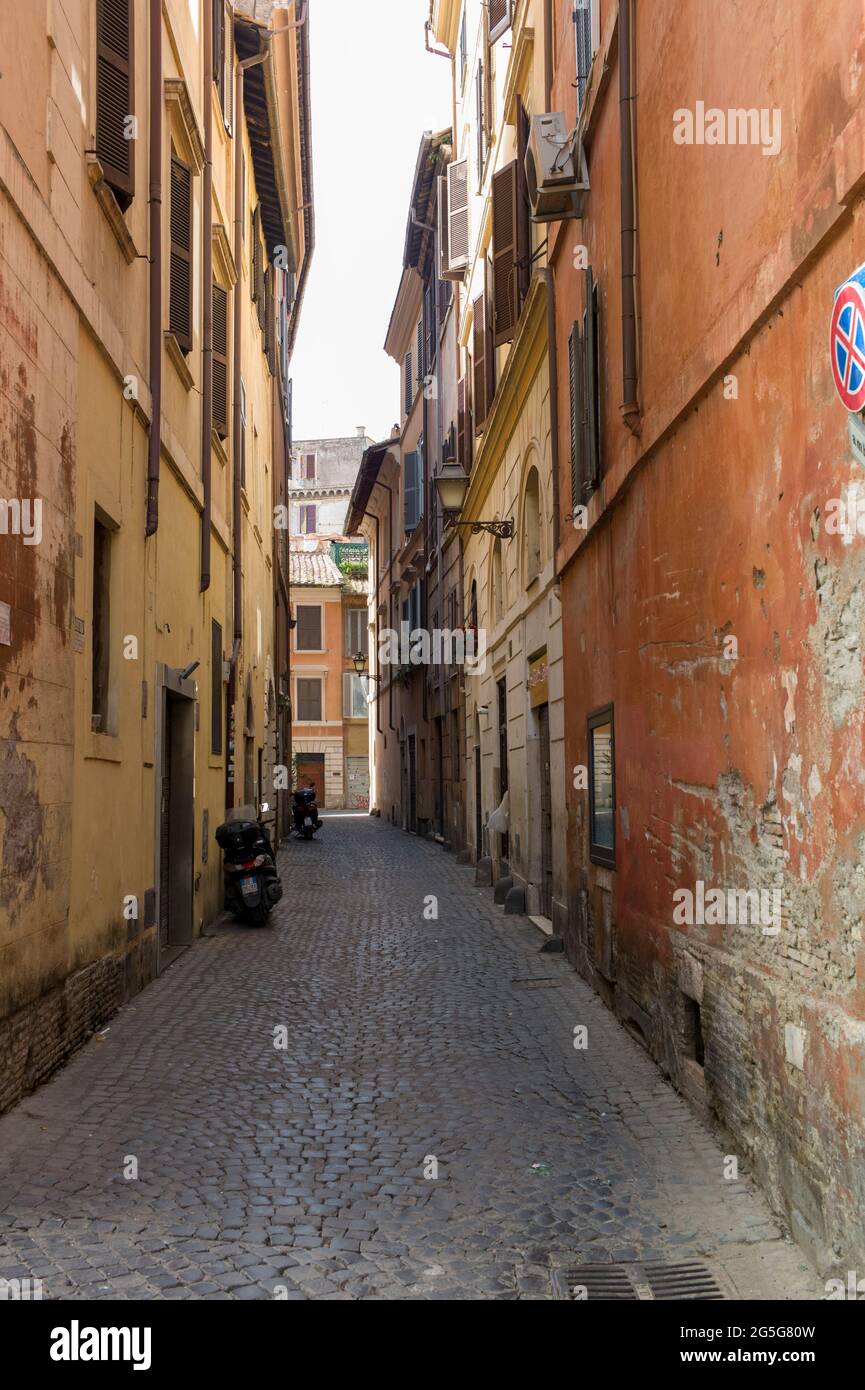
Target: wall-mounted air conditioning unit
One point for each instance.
(556, 171)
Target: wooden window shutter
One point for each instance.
(270, 320)
(215, 687)
(505, 287)
(419, 349)
(115, 95)
(524, 212)
(576, 374)
(489, 342)
(218, 7)
(180, 280)
(501, 18)
(408, 383)
(480, 118)
(220, 360)
(410, 498)
(479, 346)
(257, 266)
(308, 628)
(592, 402)
(462, 424)
(458, 218)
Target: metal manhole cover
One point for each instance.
(537, 982)
(637, 1282)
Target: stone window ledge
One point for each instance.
(110, 206)
(175, 352)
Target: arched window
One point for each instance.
(473, 605)
(532, 526)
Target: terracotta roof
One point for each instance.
(313, 567)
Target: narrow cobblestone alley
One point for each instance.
(304, 1167)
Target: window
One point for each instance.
(585, 393)
(220, 360)
(412, 489)
(481, 120)
(498, 603)
(115, 96)
(222, 66)
(501, 18)
(583, 19)
(242, 434)
(411, 608)
(215, 687)
(309, 468)
(180, 282)
(257, 277)
(602, 788)
(307, 637)
(532, 526)
(356, 631)
(408, 384)
(354, 698)
(463, 47)
(101, 646)
(307, 519)
(309, 700)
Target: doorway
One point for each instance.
(545, 885)
(310, 768)
(412, 784)
(502, 696)
(176, 813)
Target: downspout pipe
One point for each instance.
(387, 488)
(207, 292)
(154, 448)
(549, 276)
(630, 406)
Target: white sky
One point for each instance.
(374, 91)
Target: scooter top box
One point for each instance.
(238, 834)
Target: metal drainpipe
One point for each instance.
(155, 206)
(387, 488)
(377, 587)
(549, 276)
(207, 290)
(629, 406)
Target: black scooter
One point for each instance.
(305, 811)
(252, 884)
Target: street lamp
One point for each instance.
(360, 666)
(452, 484)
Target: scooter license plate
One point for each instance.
(249, 887)
(308, 820)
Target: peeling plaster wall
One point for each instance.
(742, 770)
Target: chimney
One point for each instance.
(361, 431)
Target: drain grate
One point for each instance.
(636, 1282)
(537, 982)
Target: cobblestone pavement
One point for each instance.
(300, 1172)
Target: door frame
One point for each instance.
(170, 683)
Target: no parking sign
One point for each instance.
(847, 341)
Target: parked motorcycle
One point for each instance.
(305, 810)
(252, 884)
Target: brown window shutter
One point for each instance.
(180, 296)
(218, 7)
(115, 95)
(576, 373)
(270, 320)
(593, 460)
(480, 122)
(220, 361)
(464, 425)
(490, 347)
(524, 212)
(479, 344)
(501, 18)
(258, 266)
(505, 289)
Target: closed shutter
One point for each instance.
(458, 218)
(479, 341)
(410, 497)
(258, 266)
(270, 321)
(464, 425)
(442, 220)
(215, 687)
(505, 287)
(419, 350)
(408, 383)
(524, 212)
(218, 8)
(308, 628)
(180, 289)
(480, 120)
(220, 360)
(115, 95)
(592, 404)
(289, 414)
(429, 319)
(309, 701)
(583, 22)
(576, 374)
(501, 18)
